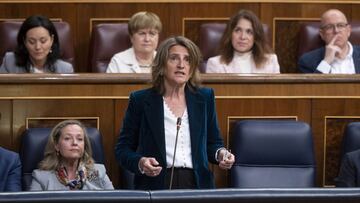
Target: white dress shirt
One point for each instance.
(183, 157)
(339, 66)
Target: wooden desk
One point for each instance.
(326, 102)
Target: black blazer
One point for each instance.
(142, 134)
(349, 175)
(310, 60)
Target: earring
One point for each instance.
(50, 51)
(57, 153)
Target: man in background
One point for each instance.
(338, 56)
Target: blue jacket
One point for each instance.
(310, 60)
(10, 171)
(349, 175)
(142, 134)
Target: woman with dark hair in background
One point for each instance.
(244, 48)
(37, 49)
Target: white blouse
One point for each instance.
(183, 157)
(243, 63)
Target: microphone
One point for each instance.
(178, 124)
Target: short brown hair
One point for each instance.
(159, 63)
(142, 20)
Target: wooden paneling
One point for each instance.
(5, 123)
(326, 102)
(119, 110)
(80, 14)
(329, 117)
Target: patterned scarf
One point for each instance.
(75, 184)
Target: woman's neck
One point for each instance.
(174, 91)
(175, 100)
(38, 64)
(71, 167)
(144, 59)
(248, 53)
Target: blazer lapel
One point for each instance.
(196, 111)
(154, 113)
(356, 58)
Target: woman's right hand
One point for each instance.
(149, 166)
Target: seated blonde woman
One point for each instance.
(68, 162)
(144, 29)
(243, 48)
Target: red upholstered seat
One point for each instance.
(107, 39)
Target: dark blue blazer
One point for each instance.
(349, 175)
(310, 60)
(10, 171)
(142, 134)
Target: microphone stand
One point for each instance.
(178, 124)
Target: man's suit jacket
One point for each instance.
(9, 65)
(310, 60)
(349, 175)
(142, 135)
(10, 171)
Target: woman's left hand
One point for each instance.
(226, 160)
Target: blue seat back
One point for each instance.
(33, 145)
(272, 153)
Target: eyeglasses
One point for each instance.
(331, 27)
(176, 59)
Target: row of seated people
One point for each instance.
(130, 48)
(269, 154)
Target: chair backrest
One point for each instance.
(309, 38)
(210, 37)
(107, 39)
(351, 139)
(33, 145)
(272, 153)
(10, 29)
